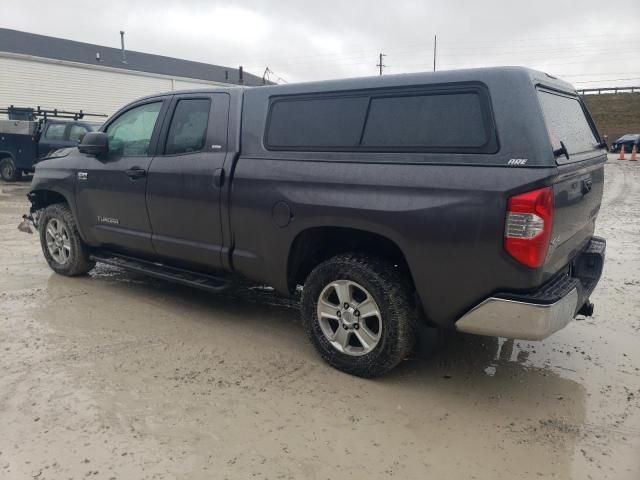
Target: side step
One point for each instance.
(165, 272)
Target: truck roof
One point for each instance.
(444, 76)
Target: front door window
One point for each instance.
(130, 134)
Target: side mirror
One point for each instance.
(94, 143)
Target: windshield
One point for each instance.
(567, 123)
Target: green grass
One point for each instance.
(615, 114)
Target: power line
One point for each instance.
(447, 45)
(609, 80)
(554, 54)
(596, 74)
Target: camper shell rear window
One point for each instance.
(568, 122)
(435, 119)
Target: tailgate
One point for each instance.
(580, 181)
(577, 198)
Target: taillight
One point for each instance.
(528, 225)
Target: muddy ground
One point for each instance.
(115, 376)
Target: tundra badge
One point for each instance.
(113, 221)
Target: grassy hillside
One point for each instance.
(615, 114)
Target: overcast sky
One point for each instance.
(590, 43)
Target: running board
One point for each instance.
(165, 272)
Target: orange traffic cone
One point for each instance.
(634, 152)
(621, 157)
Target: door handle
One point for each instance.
(218, 177)
(136, 172)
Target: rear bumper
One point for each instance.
(538, 314)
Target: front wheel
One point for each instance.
(8, 170)
(62, 246)
(359, 313)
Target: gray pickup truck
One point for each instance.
(463, 199)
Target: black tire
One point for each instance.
(77, 257)
(394, 297)
(8, 170)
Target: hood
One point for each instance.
(59, 153)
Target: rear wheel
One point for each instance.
(359, 313)
(8, 170)
(62, 246)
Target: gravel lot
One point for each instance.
(115, 376)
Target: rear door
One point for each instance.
(579, 186)
(53, 137)
(110, 197)
(186, 179)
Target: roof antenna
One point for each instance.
(124, 58)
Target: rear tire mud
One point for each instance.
(393, 297)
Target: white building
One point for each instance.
(36, 70)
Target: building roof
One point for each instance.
(17, 42)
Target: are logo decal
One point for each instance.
(518, 161)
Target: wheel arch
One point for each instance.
(42, 198)
(314, 245)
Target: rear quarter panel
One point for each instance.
(447, 220)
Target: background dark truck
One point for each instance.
(462, 199)
(25, 138)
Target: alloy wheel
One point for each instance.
(349, 317)
(58, 240)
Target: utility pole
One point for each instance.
(435, 44)
(380, 64)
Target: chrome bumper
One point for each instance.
(537, 315)
(512, 319)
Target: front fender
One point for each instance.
(54, 179)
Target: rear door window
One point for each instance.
(55, 131)
(188, 130)
(567, 122)
(76, 132)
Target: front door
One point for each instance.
(110, 197)
(186, 180)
